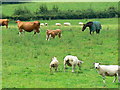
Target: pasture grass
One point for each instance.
(8, 9)
(26, 58)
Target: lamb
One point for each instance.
(54, 64)
(72, 61)
(108, 70)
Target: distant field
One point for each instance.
(9, 8)
(26, 58)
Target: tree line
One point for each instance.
(43, 13)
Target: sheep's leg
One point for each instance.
(64, 66)
(119, 79)
(73, 67)
(103, 79)
(56, 69)
(50, 69)
(115, 79)
(79, 67)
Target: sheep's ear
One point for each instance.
(93, 63)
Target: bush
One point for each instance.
(43, 13)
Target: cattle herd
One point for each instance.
(104, 70)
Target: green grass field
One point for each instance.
(8, 9)
(26, 58)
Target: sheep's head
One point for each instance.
(96, 65)
(80, 62)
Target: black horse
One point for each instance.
(93, 26)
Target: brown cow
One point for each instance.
(4, 22)
(53, 33)
(28, 26)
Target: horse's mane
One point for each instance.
(89, 22)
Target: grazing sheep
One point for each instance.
(58, 24)
(54, 64)
(67, 24)
(107, 70)
(80, 23)
(72, 61)
(42, 24)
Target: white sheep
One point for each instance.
(58, 24)
(46, 24)
(41, 24)
(80, 23)
(54, 64)
(107, 70)
(72, 61)
(67, 24)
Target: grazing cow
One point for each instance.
(54, 64)
(108, 70)
(67, 24)
(28, 26)
(93, 26)
(58, 24)
(72, 61)
(4, 22)
(53, 33)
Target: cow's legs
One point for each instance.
(47, 37)
(20, 31)
(6, 26)
(59, 35)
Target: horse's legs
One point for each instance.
(98, 30)
(90, 32)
